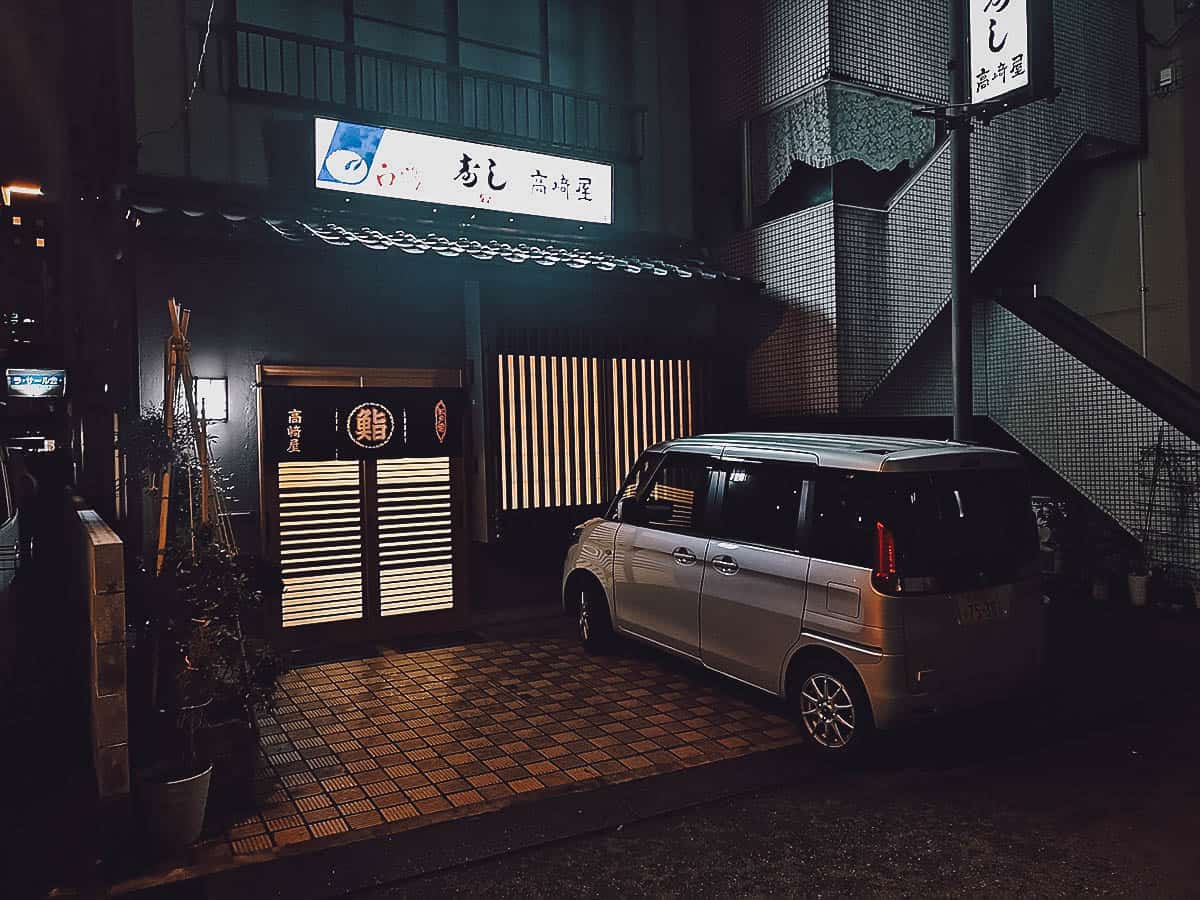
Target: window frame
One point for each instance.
(610, 512)
(704, 526)
(825, 475)
(802, 529)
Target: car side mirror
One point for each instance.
(638, 512)
(629, 511)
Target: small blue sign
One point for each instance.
(36, 382)
(350, 153)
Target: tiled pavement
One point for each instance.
(407, 738)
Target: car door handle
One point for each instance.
(726, 565)
(683, 556)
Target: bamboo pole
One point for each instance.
(176, 347)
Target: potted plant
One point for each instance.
(225, 593)
(173, 790)
(202, 614)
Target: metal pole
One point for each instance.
(1141, 213)
(960, 228)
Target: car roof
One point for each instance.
(848, 451)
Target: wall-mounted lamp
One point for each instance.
(25, 190)
(212, 397)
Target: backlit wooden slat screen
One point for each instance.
(320, 542)
(652, 402)
(415, 540)
(571, 424)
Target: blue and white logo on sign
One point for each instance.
(350, 153)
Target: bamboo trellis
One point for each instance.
(177, 372)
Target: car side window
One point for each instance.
(635, 480)
(762, 503)
(681, 481)
(847, 507)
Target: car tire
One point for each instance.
(832, 706)
(594, 624)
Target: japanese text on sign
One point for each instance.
(999, 55)
(404, 165)
(295, 424)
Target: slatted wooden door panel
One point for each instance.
(416, 540)
(570, 427)
(321, 542)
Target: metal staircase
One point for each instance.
(1098, 414)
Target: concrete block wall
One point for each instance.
(99, 579)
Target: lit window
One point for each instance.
(212, 399)
(41, 242)
(16, 220)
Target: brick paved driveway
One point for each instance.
(404, 739)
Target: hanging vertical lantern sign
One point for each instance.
(1010, 51)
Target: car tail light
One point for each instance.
(885, 576)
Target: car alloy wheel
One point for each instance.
(827, 710)
(585, 619)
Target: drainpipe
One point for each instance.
(1141, 214)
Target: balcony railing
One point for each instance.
(348, 81)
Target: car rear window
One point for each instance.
(951, 526)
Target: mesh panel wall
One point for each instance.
(794, 371)
(1089, 431)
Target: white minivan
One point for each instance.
(869, 581)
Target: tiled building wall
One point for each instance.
(880, 317)
(1097, 70)
(794, 370)
(921, 384)
(1034, 386)
(769, 50)
(891, 274)
(895, 47)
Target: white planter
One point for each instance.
(1138, 585)
(173, 811)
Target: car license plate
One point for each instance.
(977, 610)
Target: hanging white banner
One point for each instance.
(999, 48)
(406, 165)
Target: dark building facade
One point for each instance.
(558, 346)
(775, 253)
(838, 202)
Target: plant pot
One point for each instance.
(1139, 586)
(173, 810)
(232, 748)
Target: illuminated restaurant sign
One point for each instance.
(317, 423)
(36, 383)
(406, 165)
(1010, 50)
